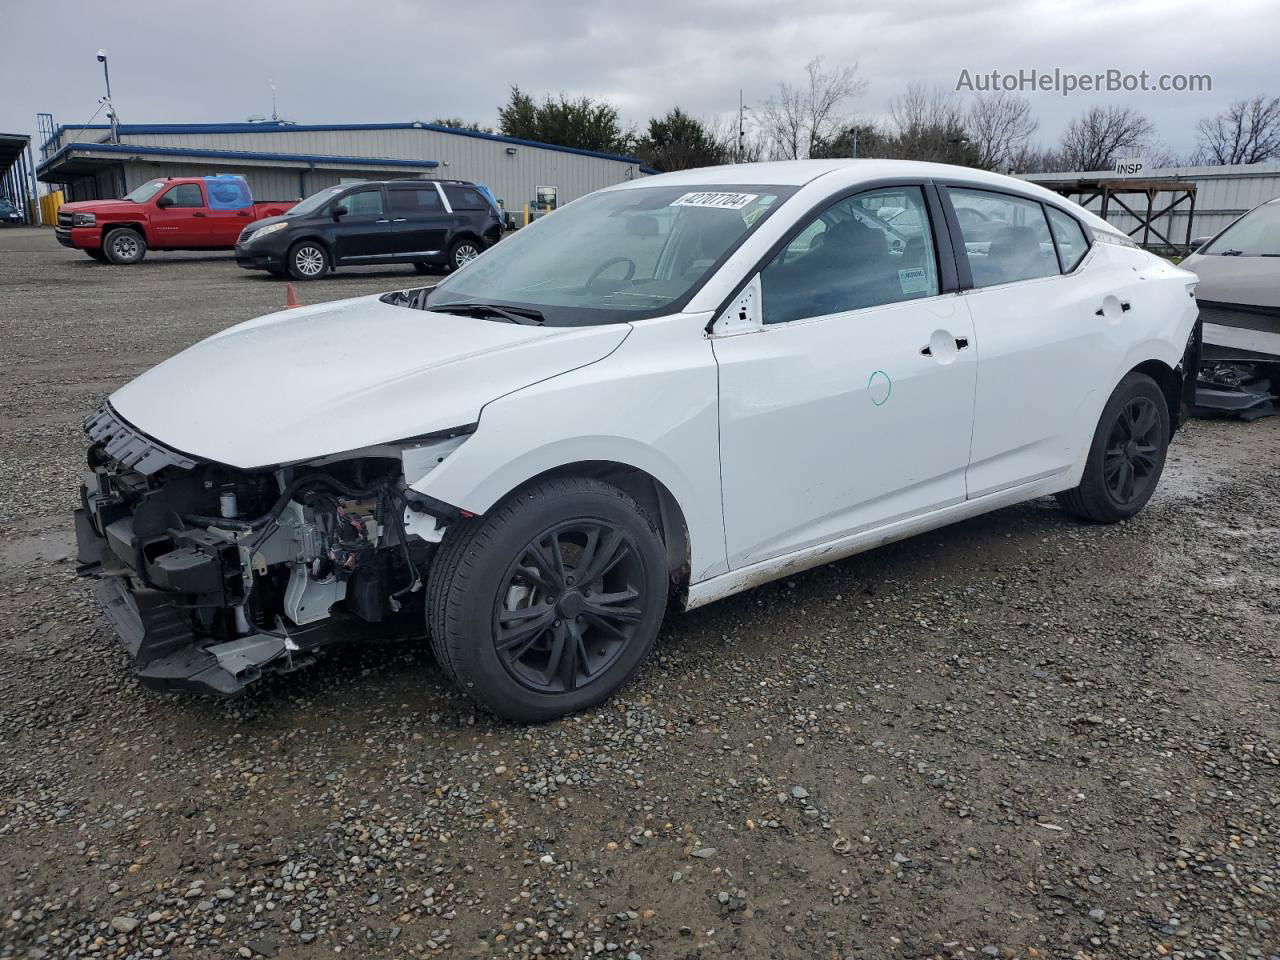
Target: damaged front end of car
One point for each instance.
(213, 575)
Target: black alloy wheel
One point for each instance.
(549, 601)
(1133, 455)
(1126, 455)
(569, 605)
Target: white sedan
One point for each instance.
(681, 386)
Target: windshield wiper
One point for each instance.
(1231, 253)
(522, 315)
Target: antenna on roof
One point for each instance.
(275, 117)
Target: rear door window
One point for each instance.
(1006, 238)
(415, 202)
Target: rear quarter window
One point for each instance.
(465, 198)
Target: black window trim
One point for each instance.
(943, 245)
(953, 223)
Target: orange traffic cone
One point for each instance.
(291, 297)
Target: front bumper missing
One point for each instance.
(164, 652)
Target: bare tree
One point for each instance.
(927, 123)
(1033, 158)
(1000, 126)
(797, 119)
(1246, 132)
(1095, 138)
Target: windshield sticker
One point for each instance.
(913, 280)
(723, 201)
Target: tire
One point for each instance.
(124, 246)
(97, 254)
(485, 573)
(463, 252)
(308, 260)
(423, 267)
(1126, 456)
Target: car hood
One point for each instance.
(265, 222)
(1249, 281)
(314, 381)
(92, 206)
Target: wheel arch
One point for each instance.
(647, 490)
(136, 225)
(1170, 383)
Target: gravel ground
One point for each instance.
(1020, 736)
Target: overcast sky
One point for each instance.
(400, 60)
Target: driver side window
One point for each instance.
(363, 203)
(868, 250)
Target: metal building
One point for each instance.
(17, 183)
(289, 161)
(1222, 193)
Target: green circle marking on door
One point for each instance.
(879, 386)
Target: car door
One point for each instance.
(419, 219)
(180, 218)
(1040, 332)
(851, 405)
(364, 232)
(230, 209)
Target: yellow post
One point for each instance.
(526, 214)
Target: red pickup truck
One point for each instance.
(174, 213)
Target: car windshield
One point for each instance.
(145, 192)
(314, 202)
(1256, 234)
(615, 256)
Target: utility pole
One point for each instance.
(742, 127)
(111, 107)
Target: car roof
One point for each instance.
(848, 172)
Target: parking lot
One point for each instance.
(1018, 736)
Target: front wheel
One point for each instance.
(463, 252)
(125, 246)
(1127, 455)
(548, 604)
(308, 261)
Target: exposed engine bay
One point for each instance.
(212, 574)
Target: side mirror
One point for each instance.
(1197, 243)
(339, 212)
(165, 201)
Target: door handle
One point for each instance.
(242, 213)
(962, 343)
(382, 221)
(399, 220)
(197, 214)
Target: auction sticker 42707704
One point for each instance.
(726, 201)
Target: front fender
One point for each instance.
(651, 405)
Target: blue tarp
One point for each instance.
(228, 192)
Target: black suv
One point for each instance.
(429, 223)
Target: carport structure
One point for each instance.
(17, 172)
(1107, 190)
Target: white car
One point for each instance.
(681, 386)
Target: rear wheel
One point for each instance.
(549, 603)
(308, 260)
(124, 246)
(463, 252)
(1127, 455)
